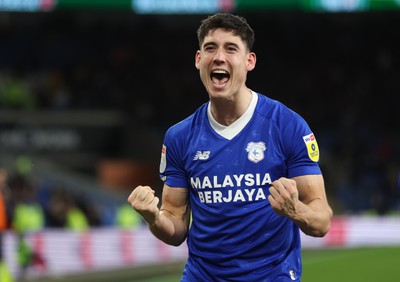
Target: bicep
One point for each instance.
(310, 188)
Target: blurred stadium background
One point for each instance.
(89, 87)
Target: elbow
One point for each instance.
(177, 243)
(326, 227)
(174, 241)
(320, 232)
(317, 232)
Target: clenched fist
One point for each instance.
(284, 197)
(145, 202)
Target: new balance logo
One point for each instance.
(201, 155)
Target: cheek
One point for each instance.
(203, 75)
(239, 74)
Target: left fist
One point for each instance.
(284, 197)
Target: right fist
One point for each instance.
(144, 201)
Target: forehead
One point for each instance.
(222, 36)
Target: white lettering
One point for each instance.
(216, 184)
(217, 196)
(228, 182)
(260, 195)
(208, 196)
(238, 179)
(266, 180)
(207, 183)
(195, 182)
(249, 179)
(235, 180)
(239, 196)
(250, 193)
(201, 196)
(229, 198)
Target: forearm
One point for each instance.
(169, 229)
(314, 218)
(170, 223)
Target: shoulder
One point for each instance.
(276, 111)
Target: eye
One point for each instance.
(231, 49)
(209, 48)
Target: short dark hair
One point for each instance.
(237, 24)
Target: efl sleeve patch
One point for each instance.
(312, 147)
(163, 161)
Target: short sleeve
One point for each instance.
(172, 170)
(301, 147)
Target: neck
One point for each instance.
(227, 111)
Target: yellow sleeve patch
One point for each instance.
(312, 147)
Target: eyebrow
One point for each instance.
(212, 43)
(209, 44)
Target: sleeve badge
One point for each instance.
(163, 161)
(312, 147)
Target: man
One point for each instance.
(243, 165)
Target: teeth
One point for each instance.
(220, 72)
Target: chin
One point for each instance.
(219, 95)
(219, 92)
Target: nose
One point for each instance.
(220, 56)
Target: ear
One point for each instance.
(251, 61)
(197, 59)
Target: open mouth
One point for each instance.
(220, 77)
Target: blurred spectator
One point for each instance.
(126, 219)
(56, 208)
(76, 220)
(27, 214)
(5, 275)
(27, 217)
(15, 94)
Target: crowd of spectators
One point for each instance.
(35, 204)
(339, 71)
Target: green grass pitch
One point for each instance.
(343, 265)
(353, 265)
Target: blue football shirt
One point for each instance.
(235, 235)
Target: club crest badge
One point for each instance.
(256, 151)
